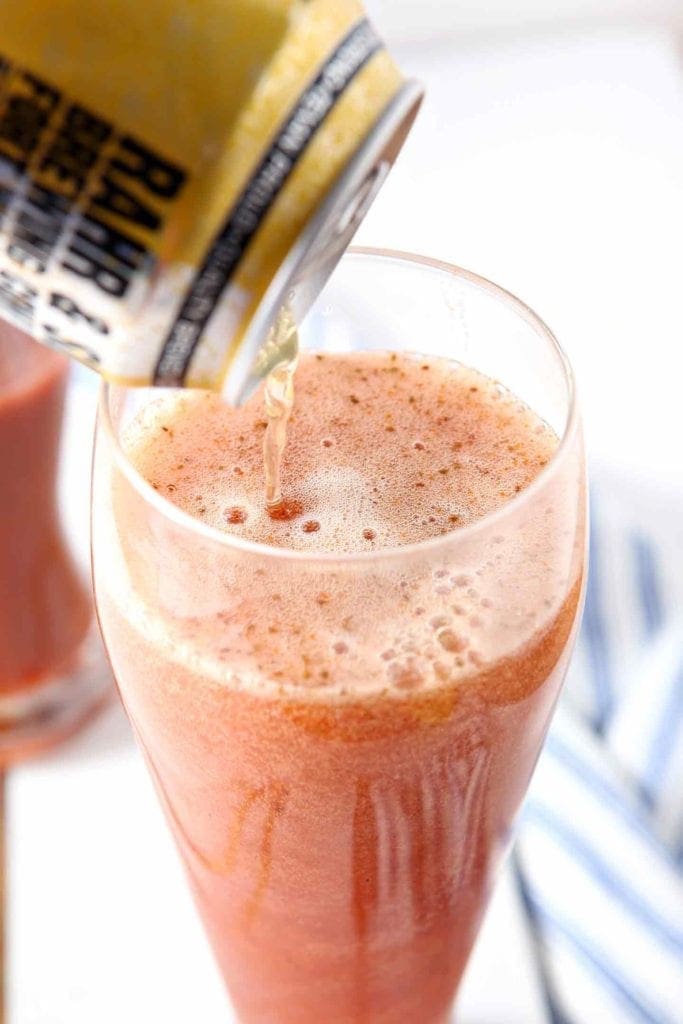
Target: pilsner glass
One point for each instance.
(341, 841)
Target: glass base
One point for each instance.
(45, 714)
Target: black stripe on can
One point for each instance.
(268, 180)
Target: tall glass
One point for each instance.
(53, 673)
(341, 848)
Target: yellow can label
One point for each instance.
(158, 160)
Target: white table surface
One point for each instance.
(553, 166)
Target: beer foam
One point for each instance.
(263, 625)
(382, 450)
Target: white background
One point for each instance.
(549, 158)
(412, 21)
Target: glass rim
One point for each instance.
(430, 545)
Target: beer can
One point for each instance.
(171, 173)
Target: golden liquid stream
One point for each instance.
(278, 401)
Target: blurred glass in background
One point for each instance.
(53, 673)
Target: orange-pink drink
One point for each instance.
(341, 725)
(45, 608)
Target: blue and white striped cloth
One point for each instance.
(599, 856)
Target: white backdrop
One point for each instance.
(553, 164)
(408, 21)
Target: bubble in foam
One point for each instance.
(452, 641)
(442, 672)
(285, 510)
(235, 515)
(405, 676)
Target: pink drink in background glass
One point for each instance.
(46, 612)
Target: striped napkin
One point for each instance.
(599, 855)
